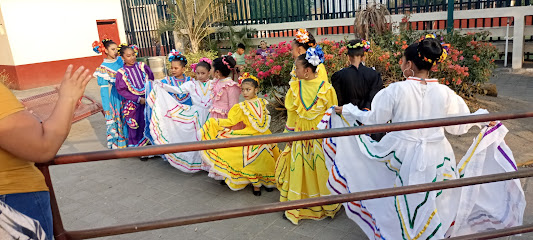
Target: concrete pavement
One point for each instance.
(123, 191)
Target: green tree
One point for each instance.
(194, 19)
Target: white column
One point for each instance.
(518, 41)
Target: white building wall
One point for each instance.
(51, 30)
(6, 58)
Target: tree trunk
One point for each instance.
(195, 45)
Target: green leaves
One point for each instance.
(193, 19)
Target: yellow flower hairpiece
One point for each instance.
(442, 56)
(363, 44)
(248, 76)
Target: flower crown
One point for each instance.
(444, 54)
(248, 76)
(176, 55)
(302, 36)
(98, 47)
(315, 55)
(134, 47)
(364, 44)
(204, 59)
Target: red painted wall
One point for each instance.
(46, 73)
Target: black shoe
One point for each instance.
(269, 189)
(256, 193)
(223, 183)
(144, 159)
(283, 216)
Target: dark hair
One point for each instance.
(307, 45)
(107, 43)
(352, 52)
(428, 48)
(306, 63)
(181, 59)
(219, 65)
(252, 81)
(204, 64)
(123, 47)
(240, 45)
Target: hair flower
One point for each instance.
(363, 44)
(302, 36)
(314, 56)
(207, 60)
(173, 54)
(247, 75)
(445, 48)
(204, 59)
(98, 47)
(135, 49)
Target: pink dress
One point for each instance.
(225, 94)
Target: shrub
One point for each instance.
(4, 79)
(274, 71)
(470, 60)
(194, 58)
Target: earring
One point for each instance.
(306, 76)
(412, 73)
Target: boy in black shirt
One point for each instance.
(357, 84)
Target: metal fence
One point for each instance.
(61, 234)
(141, 21)
(141, 17)
(276, 11)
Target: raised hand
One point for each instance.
(73, 84)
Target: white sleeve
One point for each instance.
(186, 87)
(381, 110)
(458, 107)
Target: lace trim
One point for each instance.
(248, 109)
(218, 110)
(229, 83)
(105, 73)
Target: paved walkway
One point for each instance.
(518, 86)
(123, 191)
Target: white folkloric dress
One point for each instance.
(357, 163)
(174, 122)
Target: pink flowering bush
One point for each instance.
(273, 71)
(470, 61)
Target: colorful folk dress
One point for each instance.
(301, 170)
(240, 166)
(131, 84)
(175, 122)
(182, 98)
(357, 163)
(117, 130)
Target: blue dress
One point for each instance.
(182, 98)
(117, 132)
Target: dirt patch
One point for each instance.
(278, 116)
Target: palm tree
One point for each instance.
(372, 19)
(193, 19)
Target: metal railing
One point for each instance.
(245, 12)
(62, 234)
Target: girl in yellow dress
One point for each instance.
(301, 170)
(240, 166)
